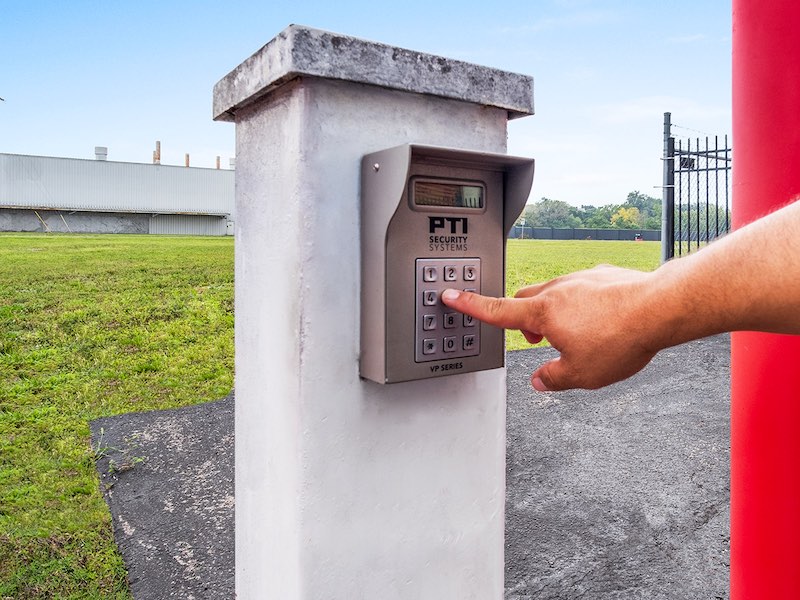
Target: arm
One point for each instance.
(608, 322)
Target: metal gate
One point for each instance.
(696, 192)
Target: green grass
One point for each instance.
(535, 261)
(93, 326)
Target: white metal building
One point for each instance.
(42, 193)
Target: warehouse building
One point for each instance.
(43, 193)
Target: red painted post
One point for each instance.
(765, 368)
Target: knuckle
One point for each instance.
(494, 306)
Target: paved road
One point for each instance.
(621, 493)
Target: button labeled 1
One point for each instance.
(429, 274)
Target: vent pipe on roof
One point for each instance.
(100, 153)
(157, 153)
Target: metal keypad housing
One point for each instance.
(427, 209)
(441, 332)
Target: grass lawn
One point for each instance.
(534, 261)
(94, 326)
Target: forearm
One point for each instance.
(608, 322)
(749, 280)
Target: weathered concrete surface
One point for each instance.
(300, 51)
(616, 494)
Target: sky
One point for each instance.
(79, 74)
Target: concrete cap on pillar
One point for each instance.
(300, 51)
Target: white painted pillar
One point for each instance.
(347, 489)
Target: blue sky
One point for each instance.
(124, 74)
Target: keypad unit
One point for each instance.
(441, 332)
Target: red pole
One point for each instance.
(765, 368)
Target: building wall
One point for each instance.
(59, 221)
(95, 196)
(188, 225)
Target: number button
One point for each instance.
(450, 273)
(469, 321)
(429, 298)
(429, 274)
(469, 273)
(449, 320)
(450, 344)
(428, 322)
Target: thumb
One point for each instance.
(551, 377)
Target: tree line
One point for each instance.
(639, 211)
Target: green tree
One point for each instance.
(552, 213)
(627, 217)
(649, 209)
(599, 218)
(640, 212)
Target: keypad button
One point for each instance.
(429, 297)
(429, 274)
(469, 273)
(450, 344)
(450, 320)
(450, 273)
(429, 346)
(428, 322)
(469, 342)
(469, 321)
(473, 290)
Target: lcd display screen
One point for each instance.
(447, 194)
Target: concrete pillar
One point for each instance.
(345, 488)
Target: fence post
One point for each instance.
(668, 193)
(765, 382)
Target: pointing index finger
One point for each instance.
(508, 313)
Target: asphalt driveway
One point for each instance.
(619, 493)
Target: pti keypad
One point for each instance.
(441, 332)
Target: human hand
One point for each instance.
(600, 320)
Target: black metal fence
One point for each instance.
(580, 233)
(696, 191)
